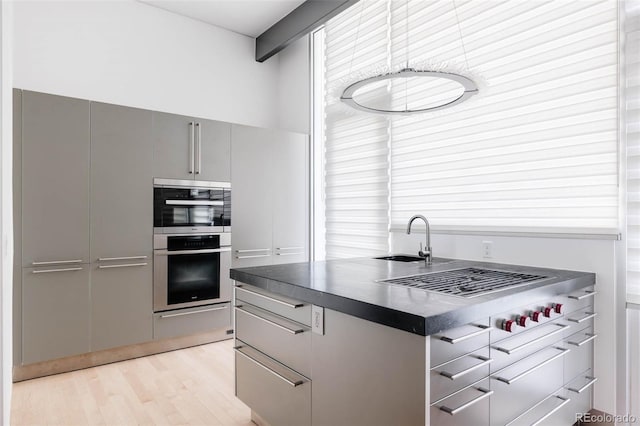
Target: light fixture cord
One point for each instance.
(464, 51)
(355, 44)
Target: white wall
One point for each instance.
(6, 234)
(294, 87)
(133, 54)
(575, 254)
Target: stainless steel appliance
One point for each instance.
(191, 270)
(186, 206)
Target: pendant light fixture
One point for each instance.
(468, 86)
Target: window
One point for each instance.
(536, 151)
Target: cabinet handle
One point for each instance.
(278, 375)
(532, 369)
(453, 411)
(589, 338)
(252, 250)
(584, 296)
(592, 380)
(289, 254)
(253, 256)
(271, 299)
(106, 259)
(191, 147)
(588, 316)
(193, 203)
(275, 324)
(126, 265)
(56, 262)
(201, 311)
(198, 148)
(289, 248)
(454, 376)
(46, 271)
(508, 351)
(454, 340)
(564, 400)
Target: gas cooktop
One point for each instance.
(466, 282)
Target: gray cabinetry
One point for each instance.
(190, 148)
(55, 179)
(121, 225)
(55, 312)
(270, 196)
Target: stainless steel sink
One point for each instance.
(407, 258)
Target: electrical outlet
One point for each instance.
(487, 249)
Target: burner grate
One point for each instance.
(467, 282)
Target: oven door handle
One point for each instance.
(193, 203)
(205, 251)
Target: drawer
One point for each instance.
(578, 299)
(453, 343)
(470, 406)
(281, 339)
(280, 305)
(581, 356)
(519, 387)
(581, 318)
(183, 322)
(548, 412)
(457, 374)
(277, 394)
(580, 391)
(515, 348)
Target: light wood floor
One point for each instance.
(193, 386)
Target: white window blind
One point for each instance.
(535, 152)
(632, 121)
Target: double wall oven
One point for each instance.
(192, 243)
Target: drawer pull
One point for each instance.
(592, 380)
(46, 271)
(289, 248)
(107, 259)
(453, 411)
(252, 256)
(589, 338)
(584, 296)
(194, 312)
(272, 299)
(273, 323)
(278, 375)
(454, 376)
(564, 402)
(588, 316)
(454, 340)
(289, 254)
(508, 351)
(56, 262)
(532, 369)
(125, 265)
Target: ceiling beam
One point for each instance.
(301, 21)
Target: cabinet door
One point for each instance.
(55, 312)
(252, 192)
(121, 304)
(290, 197)
(55, 178)
(173, 146)
(121, 182)
(213, 150)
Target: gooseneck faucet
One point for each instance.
(426, 254)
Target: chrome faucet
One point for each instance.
(427, 253)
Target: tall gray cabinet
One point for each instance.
(55, 226)
(121, 226)
(190, 148)
(270, 181)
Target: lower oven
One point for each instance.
(191, 270)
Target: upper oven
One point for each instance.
(186, 206)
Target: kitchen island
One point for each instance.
(331, 343)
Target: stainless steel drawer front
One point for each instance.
(457, 374)
(510, 379)
(454, 343)
(283, 306)
(468, 406)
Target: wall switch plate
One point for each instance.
(487, 249)
(317, 319)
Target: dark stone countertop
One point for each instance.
(350, 286)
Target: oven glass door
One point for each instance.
(188, 207)
(192, 278)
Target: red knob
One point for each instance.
(523, 320)
(535, 316)
(507, 325)
(547, 311)
(558, 308)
